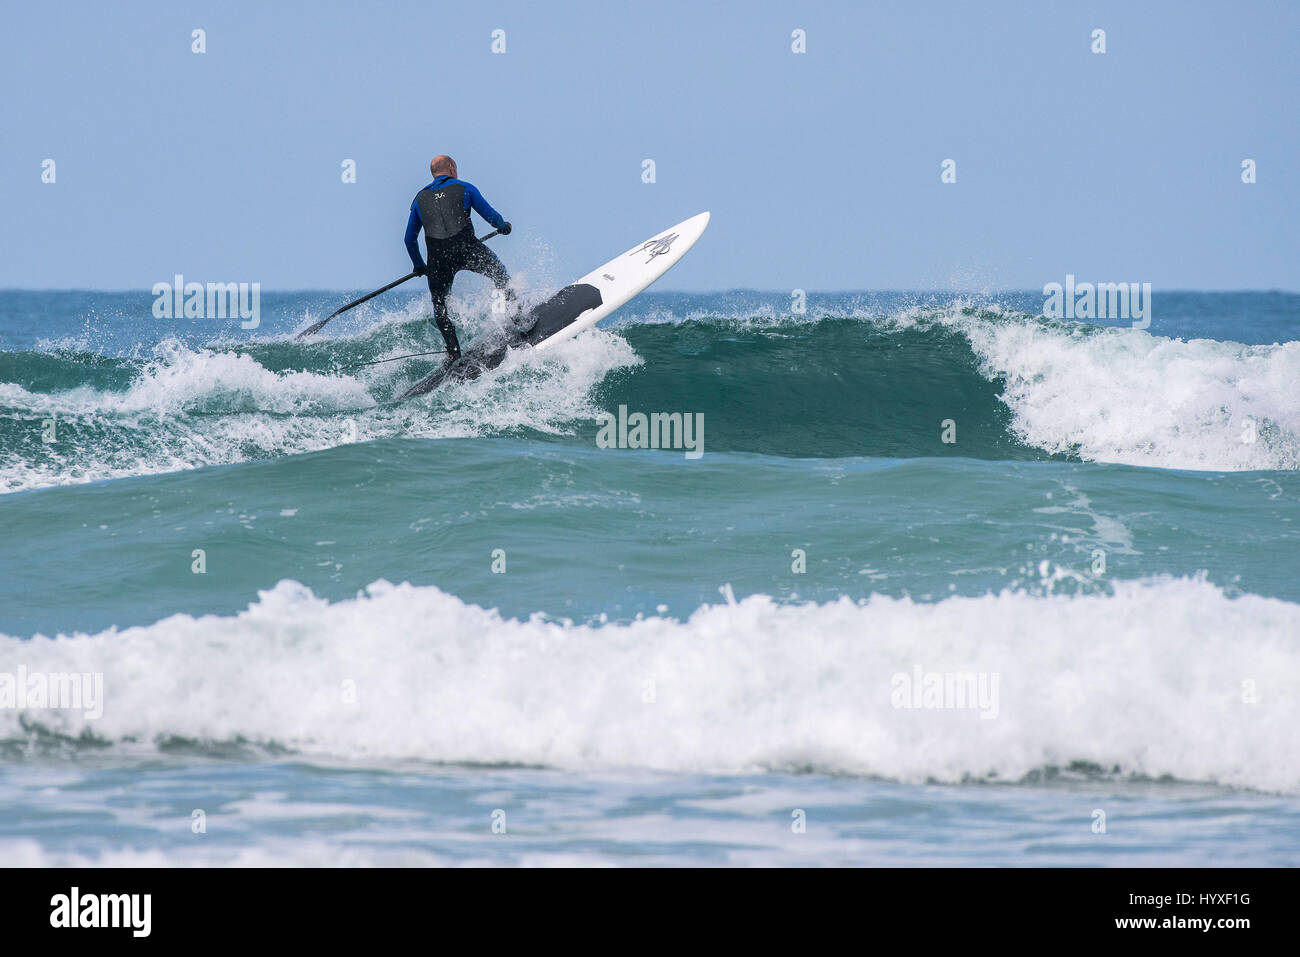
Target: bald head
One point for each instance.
(443, 166)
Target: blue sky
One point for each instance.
(822, 170)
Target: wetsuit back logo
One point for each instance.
(656, 247)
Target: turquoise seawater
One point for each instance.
(458, 629)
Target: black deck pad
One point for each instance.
(541, 322)
(555, 313)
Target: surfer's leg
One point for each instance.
(443, 321)
(480, 259)
(439, 286)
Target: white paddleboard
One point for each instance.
(622, 278)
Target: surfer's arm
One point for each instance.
(480, 205)
(413, 237)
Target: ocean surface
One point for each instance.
(332, 628)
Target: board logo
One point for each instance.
(656, 247)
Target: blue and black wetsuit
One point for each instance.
(442, 210)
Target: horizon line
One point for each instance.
(698, 292)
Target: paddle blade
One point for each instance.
(314, 328)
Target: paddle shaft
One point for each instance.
(375, 362)
(317, 326)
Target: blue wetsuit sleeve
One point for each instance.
(474, 200)
(413, 236)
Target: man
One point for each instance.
(442, 209)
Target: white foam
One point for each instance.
(1126, 396)
(270, 852)
(191, 408)
(1152, 680)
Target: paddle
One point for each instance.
(317, 326)
(375, 362)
